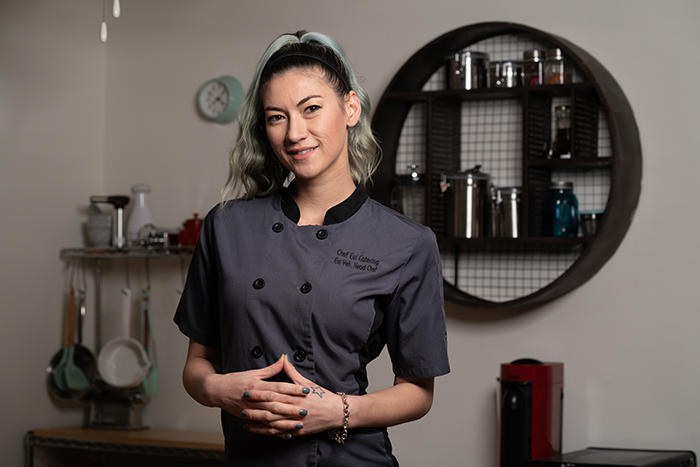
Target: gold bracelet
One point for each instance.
(341, 434)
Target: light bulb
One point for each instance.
(103, 32)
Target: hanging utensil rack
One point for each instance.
(113, 408)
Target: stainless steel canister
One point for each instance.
(469, 201)
(508, 218)
(505, 74)
(468, 70)
(408, 197)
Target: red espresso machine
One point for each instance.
(531, 400)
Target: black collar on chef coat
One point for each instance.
(334, 215)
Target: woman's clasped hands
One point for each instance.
(281, 409)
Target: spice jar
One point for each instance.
(561, 210)
(556, 71)
(561, 146)
(533, 67)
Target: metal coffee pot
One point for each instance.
(470, 198)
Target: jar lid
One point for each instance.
(559, 185)
(471, 53)
(533, 54)
(506, 64)
(509, 189)
(462, 55)
(554, 53)
(475, 174)
(591, 215)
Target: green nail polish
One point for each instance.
(306, 390)
(299, 426)
(303, 412)
(243, 413)
(287, 436)
(246, 394)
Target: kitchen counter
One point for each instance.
(152, 447)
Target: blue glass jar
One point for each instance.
(562, 210)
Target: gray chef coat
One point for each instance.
(330, 297)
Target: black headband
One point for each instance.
(286, 55)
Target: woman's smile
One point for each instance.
(301, 154)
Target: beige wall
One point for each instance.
(78, 118)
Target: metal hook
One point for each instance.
(148, 274)
(182, 276)
(71, 270)
(84, 275)
(126, 269)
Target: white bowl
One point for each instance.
(123, 362)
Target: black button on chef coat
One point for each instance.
(331, 301)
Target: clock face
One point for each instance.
(218, 99)
(213, 99)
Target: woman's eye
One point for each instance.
(274, 118)
(313, 108)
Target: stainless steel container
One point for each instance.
(508, 217)
(468, 70)
(589, 222)
(469, 200)
(505, 74)
(408, 197)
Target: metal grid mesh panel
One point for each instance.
(591, 186)
(411, 147)
(492, 138)
(502, 273)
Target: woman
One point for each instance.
(294, 288)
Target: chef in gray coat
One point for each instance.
(299, 279)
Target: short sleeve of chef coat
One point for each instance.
(197, 314)
(416, 329)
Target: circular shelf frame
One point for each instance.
(626, 166)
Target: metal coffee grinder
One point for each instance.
(119, 203)
(531, 397)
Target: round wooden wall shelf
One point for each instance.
(420, 121)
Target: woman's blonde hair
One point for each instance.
(253, 167)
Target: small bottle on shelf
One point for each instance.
(561, 146)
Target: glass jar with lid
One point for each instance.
(533, 67)
(561, 210)
(556, 70)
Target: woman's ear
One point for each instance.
(353, 108)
